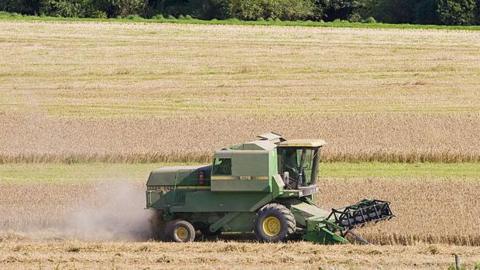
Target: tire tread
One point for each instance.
(284, 211)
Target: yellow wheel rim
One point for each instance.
(271, 226)
(182, 233)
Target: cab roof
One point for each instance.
(302, 143)
(254, 145)
(270, 141)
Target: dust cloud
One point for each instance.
(107, 210)
(115, 211)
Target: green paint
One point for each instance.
(248, 184)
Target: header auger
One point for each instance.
(266, 186)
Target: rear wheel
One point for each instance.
(180, 231)
(274, 223)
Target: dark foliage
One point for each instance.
(449, 12)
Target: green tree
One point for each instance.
(92, 8)
(478, 22)
(282, 9)
(320, 9)
(457, 12)
(129, 7)
(295, 10)
(401, 11)
(30, 7)
(246, 9)
(395, 11)
(343, 9)
(66, 8)
(368, 8)
(210, 9)
(426, 13)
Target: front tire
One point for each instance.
(180, 231)
(274, 223)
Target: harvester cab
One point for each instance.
(298, 162)
(266, 186)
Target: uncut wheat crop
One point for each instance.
(428, 210)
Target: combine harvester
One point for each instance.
(265, 186)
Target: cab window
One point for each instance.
(222, 166)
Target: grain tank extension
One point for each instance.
(266, 186)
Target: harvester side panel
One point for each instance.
(237, 184)
(205, 201)
(250, 171)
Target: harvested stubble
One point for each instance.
(22, 253)
(370, 137)
(124, 70)
(429, 210)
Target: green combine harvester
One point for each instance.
(266, 186)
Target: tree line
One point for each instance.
(442, 12)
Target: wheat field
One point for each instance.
(72, 225)
(133, 92)
(81, 100)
